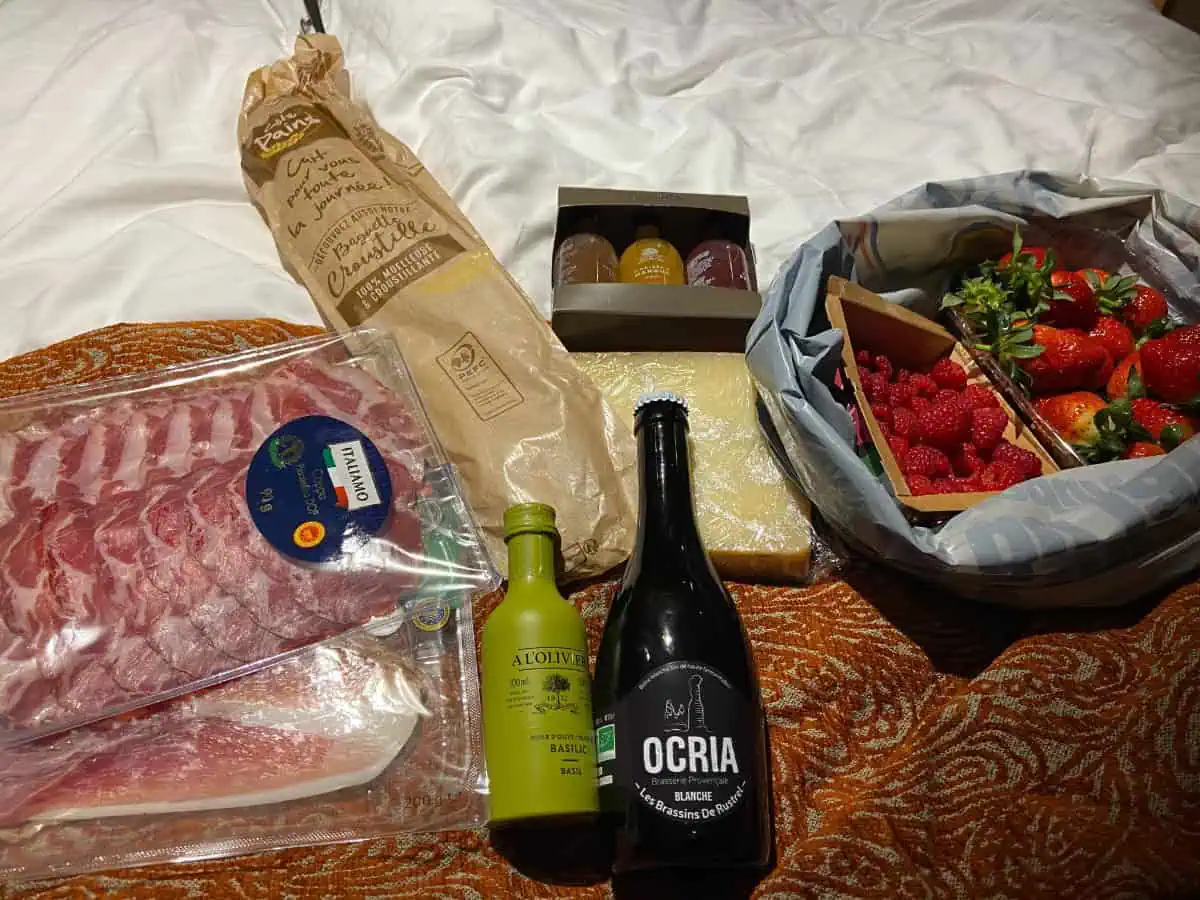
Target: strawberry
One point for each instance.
(1142, 449)
(987, 428)
(1096, 431)
(863, 358)
(928, 461)
(981, 397)
(899, 445)
(1026, 274)
(924, 385)
(1037, 257)
(905, 424)
(1166, 426)
(1072, 302)
(1146, 308)
(1072, 415)
(1024, 461)
(948, 374)
(883, 366)
(1115, 336)
(900, 393)
(944, 425)
(999, 476)
(920, 485)
(967, 460)
(1126, 381)
(1067, 362)
(1113, 292)
(875, 386)
(1171, 366)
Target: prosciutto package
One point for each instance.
(358, 737)
(163, 533)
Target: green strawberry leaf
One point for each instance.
(1026, 351)
(1135, 388)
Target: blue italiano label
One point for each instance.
(318, 489)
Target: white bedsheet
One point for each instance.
(122, 197)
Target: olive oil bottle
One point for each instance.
(537, 714)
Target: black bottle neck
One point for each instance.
(668, 541)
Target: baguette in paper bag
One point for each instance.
(372, 235)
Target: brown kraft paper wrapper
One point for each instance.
(360, 222)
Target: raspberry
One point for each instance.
(967, 460)
(920, 404)
(883, 413)
(981, 397)
(1024, 461)
(883, 366)
(924, 385)
(875, 386)
(899, 446)
(949, 374)
(863, 358)
(945, 395)
(944, 425)
(920, 485)
(904, 424)
(987, 428)
(943, 486)
(903, 376)
(928, 461)
(900, 393)
(999, 475)
(965, 484)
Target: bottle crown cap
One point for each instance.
(659, 396)
(529, 518)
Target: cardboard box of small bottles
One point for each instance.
(644, 270)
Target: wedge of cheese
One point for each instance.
(754, 522)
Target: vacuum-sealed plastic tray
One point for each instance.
(162, 533)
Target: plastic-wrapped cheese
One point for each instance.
(754, 523)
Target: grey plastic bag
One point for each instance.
(1100, 535)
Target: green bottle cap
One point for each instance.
(529, 518)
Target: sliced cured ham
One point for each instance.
(332, 717)
(132, 569)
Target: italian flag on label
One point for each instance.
(348, 470)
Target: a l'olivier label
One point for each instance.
(318, 489)
(684, 743)
(551, 685)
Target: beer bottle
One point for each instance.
(680, 731)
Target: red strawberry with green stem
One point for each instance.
(1068, 361)
(1072, 302)
(1087, 423)
(1139, 306)
(1165, 426)
(1170, 366)
(1115, 336)
(1126, 381)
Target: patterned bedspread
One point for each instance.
(922, 746)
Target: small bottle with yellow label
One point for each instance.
(651, 260)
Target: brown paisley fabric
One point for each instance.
(922, 746)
